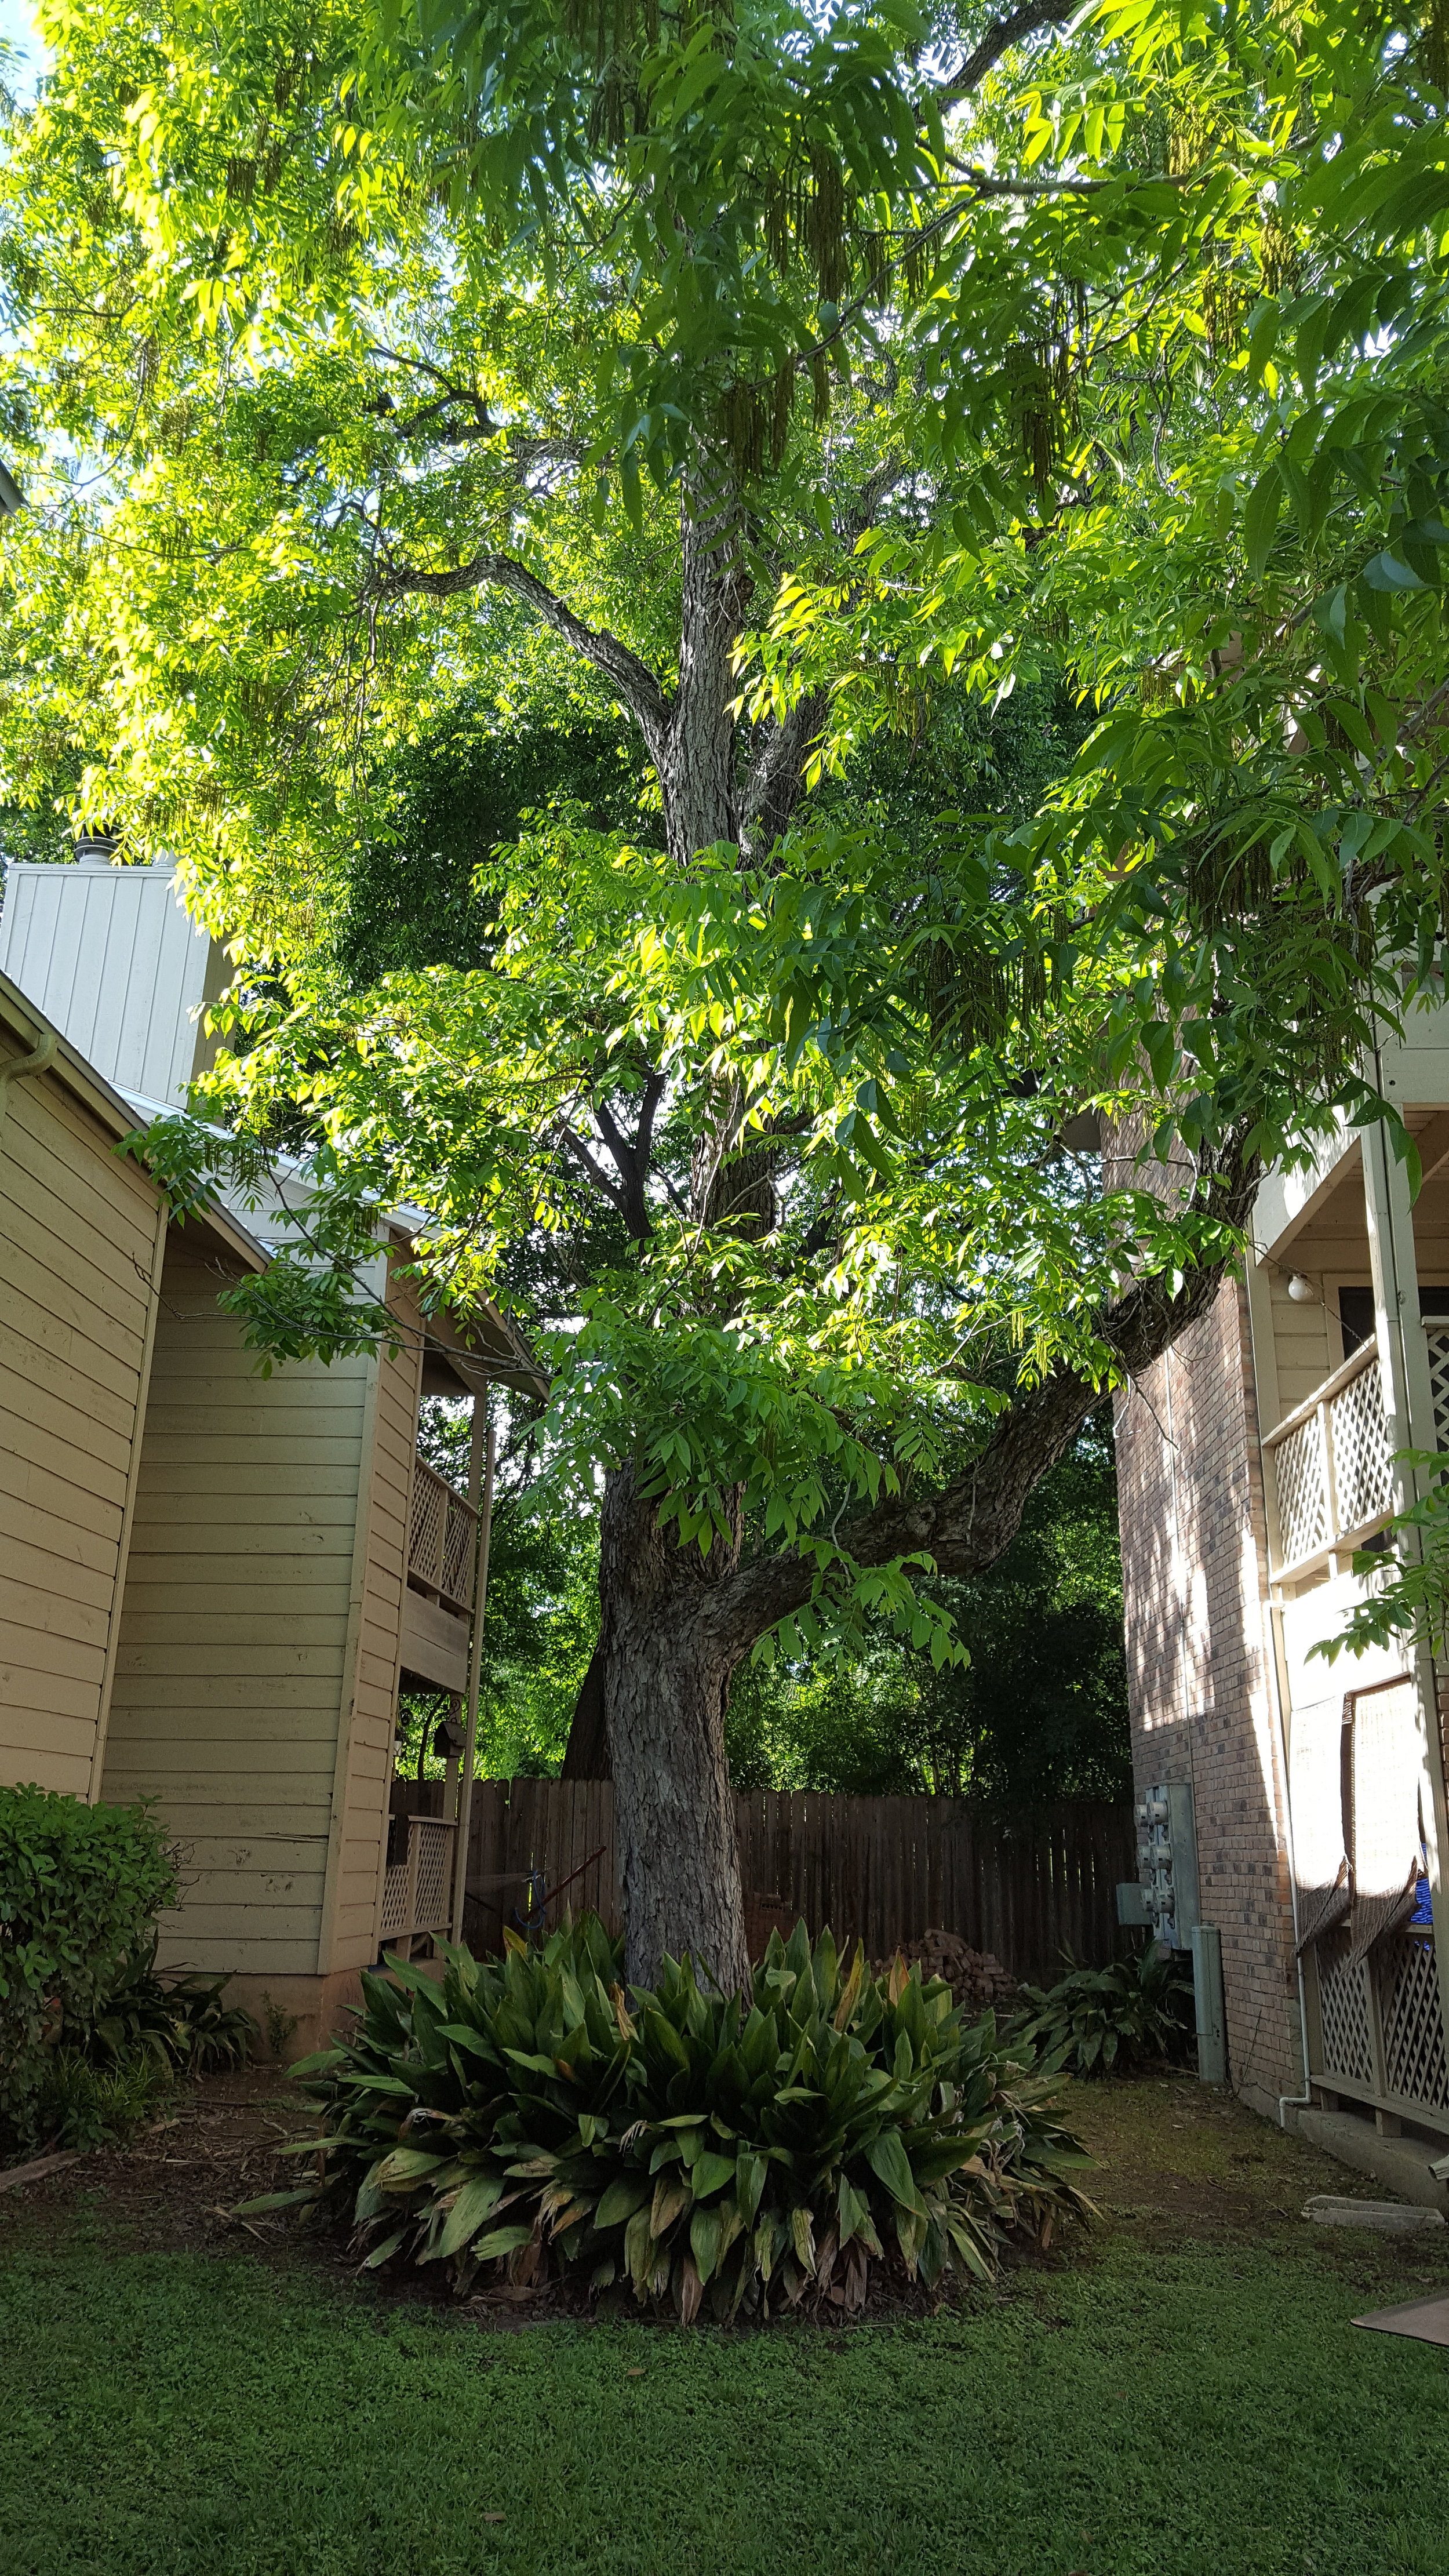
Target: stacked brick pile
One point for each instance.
(977, 1981)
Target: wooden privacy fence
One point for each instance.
(1022, 1885)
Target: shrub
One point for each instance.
(1095, 2019)
(79, 1887)
(697, 2146)
(81, 2104)
(177, 2020)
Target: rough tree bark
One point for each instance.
(666, 1677)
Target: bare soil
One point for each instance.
(1183, 2159)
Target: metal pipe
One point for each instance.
(484, 1509)
(1273, 1643)
(41, 1054)
(1207, 1991)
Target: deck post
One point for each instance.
(482, 1455)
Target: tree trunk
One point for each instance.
(665, 1685)
(586, 1755)
(697, 771)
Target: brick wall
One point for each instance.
(1202, 1699)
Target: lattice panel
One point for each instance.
(457, 1578)
(395, 1901)
(1412, 2020)
(1438, 1345)
(1343, 2010)
(435, 1852)
(1302, 1502)
(425, 1532)
(1362, 1473)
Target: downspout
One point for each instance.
(41, 1054)
(1291, 2101)
(1286, 2101)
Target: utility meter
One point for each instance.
(1167, 1861)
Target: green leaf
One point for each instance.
(1262, 335)
(380, 2253)
(624, 2196)
(502, 2240)
(750, 2172)
(469, 2210)
(710, 2173)
(704, 2240)
(406, 2167)
(888, 2161)
(1260, 518)
(1330, 609)
(1387, 572)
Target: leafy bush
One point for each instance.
(79, 1887)
(524, 2112)
(81, 2104)
(179, 2021)
(1094, 2019)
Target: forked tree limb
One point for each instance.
(967, 1524)
(774, 782)
(633, 679)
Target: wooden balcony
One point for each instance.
(442, 1540)
(417, 1888)
(442, 1562)
(1331, 1460)
(1332, 1468)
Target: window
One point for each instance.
(1356, 1313)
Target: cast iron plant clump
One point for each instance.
(739, 2153)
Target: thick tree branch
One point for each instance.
(632, 1160)
(1011, 30)
(631, 678)
(774, 781)
(613, 1191)
(966, 1525)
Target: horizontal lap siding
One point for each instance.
(77, 1247)
(380, 1579)
(230, 1675)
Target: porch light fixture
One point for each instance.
(1301, 1290)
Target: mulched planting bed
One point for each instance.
(1176, 2163)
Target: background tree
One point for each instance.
(1040, 1711)
(909, 357)
(543, 1610)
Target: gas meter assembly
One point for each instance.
(1167, 1861)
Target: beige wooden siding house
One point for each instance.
(82, 1242)
(271, 1556)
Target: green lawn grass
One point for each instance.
(1195, 2411)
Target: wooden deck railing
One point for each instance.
(417, 1888)
(442, 1540)
(1332, 1467)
